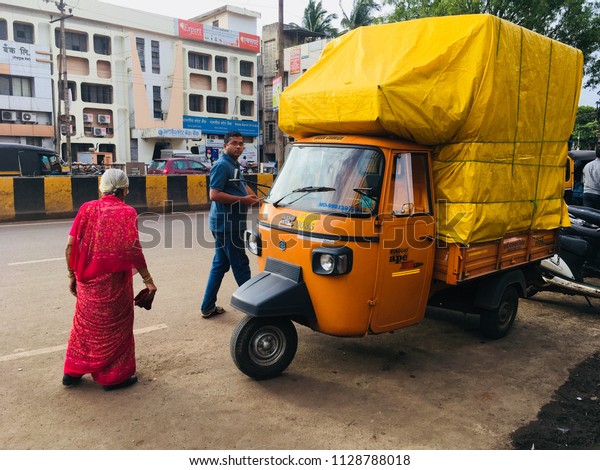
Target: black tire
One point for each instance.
(497, 322)
(262, 348)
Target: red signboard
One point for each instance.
(207, 33)
(295, 60)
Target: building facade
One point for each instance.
(137, 82)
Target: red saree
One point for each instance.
(105, 249)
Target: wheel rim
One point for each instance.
(267, 346)
(504, 314)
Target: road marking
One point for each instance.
(39, 352)
(36, 261)
(34, 224)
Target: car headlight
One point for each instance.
(332, 261)
(254, 243)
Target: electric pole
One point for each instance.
(64, 120)
(280, 73)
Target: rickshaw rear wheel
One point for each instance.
(262, 348)
(496, 323)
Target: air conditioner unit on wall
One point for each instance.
(104, 118)
(66, 128)
(99, 131)
(28, 117)
(88, 117)
(9, 115)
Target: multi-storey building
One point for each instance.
(292, 37)
(137, 82)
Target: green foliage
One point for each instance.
(573, 22)
(317, 19)
(586, 127)
(361, 14)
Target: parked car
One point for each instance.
(178, 166)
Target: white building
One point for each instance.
(138, 82)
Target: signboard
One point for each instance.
(165, 133)
(220, 126)
(225, 37)
(295, 66)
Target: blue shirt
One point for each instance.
(227, 217)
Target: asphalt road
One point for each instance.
(438, 385)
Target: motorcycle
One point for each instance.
(575, 270)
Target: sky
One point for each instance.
(292, 13)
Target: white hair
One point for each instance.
(112, 180)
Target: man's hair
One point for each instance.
(230, 135)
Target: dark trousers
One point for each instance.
(591, 200)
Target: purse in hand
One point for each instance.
(144, 298)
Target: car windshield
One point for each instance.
(331, 179)
(157, 164)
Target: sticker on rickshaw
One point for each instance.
(287, 220)
(306, 221)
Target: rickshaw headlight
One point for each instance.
(327, 263)
(332, 261)
(253, 243)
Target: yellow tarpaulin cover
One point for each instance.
(497, 101)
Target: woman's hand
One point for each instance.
(151, 287)
(73, 286)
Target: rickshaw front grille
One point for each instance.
(288, 270)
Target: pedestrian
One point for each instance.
(230, 198)
(591, 182)
(102, 250)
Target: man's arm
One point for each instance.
(226, 198)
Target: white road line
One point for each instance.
(36, 261)
(39, 352)
(34, 224)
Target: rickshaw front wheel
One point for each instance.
(262, 348)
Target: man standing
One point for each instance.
(230, 198)
(591, 182)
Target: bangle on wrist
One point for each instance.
(70, 274)
(148, 279)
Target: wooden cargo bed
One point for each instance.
(455, 263)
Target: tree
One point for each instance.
(573, 22)
(360, 14)
(317, 20)
(586, 126)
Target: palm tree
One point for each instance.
(360, 14)
(317, 19)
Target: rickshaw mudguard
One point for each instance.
(271, 294)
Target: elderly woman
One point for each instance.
(102, 251)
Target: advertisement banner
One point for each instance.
(225, 37)
(295, 66)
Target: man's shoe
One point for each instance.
(211, 313)
(127, 383)
(69, 380)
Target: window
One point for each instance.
(16, 86)
(91, 93)
(196, 103)
(247, 108)
(221, 64)
(271, 133)
(157, 102)
(198, 61)
(101, 44)
(216, 105)
(141, 45)
(154, 45)
(3, 30)
(409, 193)
(246, 68)
(23, 32)
(73, 41)
(215, 23)
(72, 88)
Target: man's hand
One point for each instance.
(249, 200)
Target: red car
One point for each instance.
(178, 166)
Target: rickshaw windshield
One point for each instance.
(331, 179)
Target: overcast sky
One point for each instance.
(292, 13)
